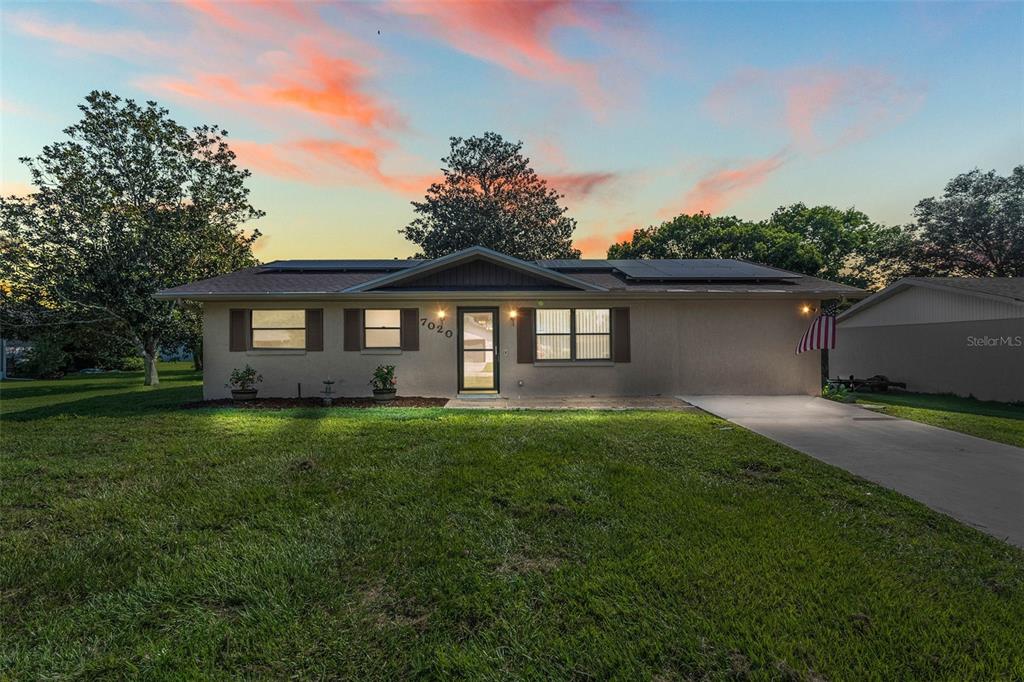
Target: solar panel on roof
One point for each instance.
(575, 264)
(702, 269)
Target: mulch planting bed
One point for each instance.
(286, 403)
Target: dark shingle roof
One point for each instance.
(695, 276)
(260, 281)
(380, 264)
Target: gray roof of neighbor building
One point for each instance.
(346, 278)
(1008, 289)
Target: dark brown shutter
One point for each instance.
(353, 332)
(238, 337)
(410, 328)
(620, 334)
(524, 336)
(314, 329)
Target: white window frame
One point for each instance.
(573, 334)
(399, 328)
(253, 328)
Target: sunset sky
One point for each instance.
(636, 112)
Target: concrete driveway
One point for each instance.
(975, 481)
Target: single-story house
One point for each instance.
(961, 335)
(478, 321)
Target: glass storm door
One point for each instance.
(478, 349)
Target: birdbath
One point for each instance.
(328, 393)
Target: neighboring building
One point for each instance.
(178, 353)
(478, 321)
(939, 335)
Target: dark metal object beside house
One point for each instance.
(878, 382)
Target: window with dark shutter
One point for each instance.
(382, 328)
(278, 329)
(573, 334)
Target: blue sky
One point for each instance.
(636, 111)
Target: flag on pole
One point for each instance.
(821, 335)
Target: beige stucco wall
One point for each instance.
(679, 346)
(983, 358)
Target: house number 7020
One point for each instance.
(439, 327)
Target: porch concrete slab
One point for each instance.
(976, 481)
(568, 403)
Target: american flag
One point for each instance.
(821, 335)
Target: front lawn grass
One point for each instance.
(139, 540)
(1001, 422)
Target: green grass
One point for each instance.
(141, 540)
(1001, 422)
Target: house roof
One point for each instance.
(1005, 289)
(355, 278)
(474, 253)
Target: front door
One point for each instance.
(478, 350)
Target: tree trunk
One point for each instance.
(151, 352)
(197, 356)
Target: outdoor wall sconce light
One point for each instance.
(806, 309)
(441, 313)
(513, 314)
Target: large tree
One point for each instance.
(704, 236)
(976, 228)
(130, 203)
(840, 245)
(491, 197)
(854, 249)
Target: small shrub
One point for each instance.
(836, 392)
(46, 359)
(383, 378)
(244, 379)
(131, 363)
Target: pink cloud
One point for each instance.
(275, 58)
(270, 158)
(519, 36)
(579, 185)
(328, 162)
(109, 42)
(218, 13)
(312, 81)
(716, 190)
(819, 108)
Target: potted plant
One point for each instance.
(243, 383)
(383, 383)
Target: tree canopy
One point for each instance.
(130, 203)
(840, 245)
(976, 228)
(704, 236)
(491, 197)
